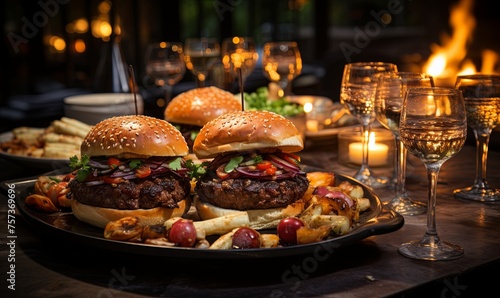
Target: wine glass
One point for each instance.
(482, 101)
(433, 127)
(200, 55)
(391, 88)
(165, 65)
(357, 94)
(239, 57)
(282, 63)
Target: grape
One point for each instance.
(246, 238)
(287, 229)
(183, 233)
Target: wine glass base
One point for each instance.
(406, 206)
(373, 182)
(440, 251)
(478, 194)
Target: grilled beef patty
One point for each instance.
(163, 191)
(247, 194)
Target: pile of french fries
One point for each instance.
(62, 139)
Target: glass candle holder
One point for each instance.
(381, 148)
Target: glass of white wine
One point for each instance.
(165, 65)
(389, 96)
(433, 128)
(282, 63)
(239, 57)
(200, 55)
(357, 94)
(482, 101)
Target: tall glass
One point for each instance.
(482, 101)
(433, 127)
(200, 55)
(389, 97)
(357, 94)
(239, 57)
(165, 65)
(282, 63)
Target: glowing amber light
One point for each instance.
(105, 29)
(59, 44)
(81, 25)
(104, 7)
(80, 46)
(163, 44)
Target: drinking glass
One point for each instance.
(357, 94)
(165, 65)
(282, 63)
(200, 55)
(389, 96)
(433, 127)
(482, 101)
(239, 57)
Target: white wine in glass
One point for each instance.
(391, 88)
(165, 65)
(282, 63)
(357, 94)
(200, 55)
(239, 57)
(433, 128)
(482, 101)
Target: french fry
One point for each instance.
(65, 128)
(60, 138)
(269, 240)
(76, 123)
(338, 223)
(364, 204)
(223, 224)
(225, 241)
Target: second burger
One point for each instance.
(254, 168)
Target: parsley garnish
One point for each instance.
(134, 163)
(196, 170)
(81, 165)
(175, 164)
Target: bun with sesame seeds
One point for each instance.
(192, 109)
(254, 168)
(131, 166)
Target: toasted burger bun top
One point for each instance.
(200, 105)
(247, 130)
(134, 137)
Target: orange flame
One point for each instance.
(450, 60)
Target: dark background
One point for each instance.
(35, 77)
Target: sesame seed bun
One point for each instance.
(134, 137)
(247, 130)
(200, 105)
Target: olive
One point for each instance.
(287, 229)
(183, 233)
(246, 238)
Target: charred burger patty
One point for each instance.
(164, 191)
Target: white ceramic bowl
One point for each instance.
(93, 108)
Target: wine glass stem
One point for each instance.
(482, 140)
(400, 168)
(168, 92)
(432, 176)
(365, 135)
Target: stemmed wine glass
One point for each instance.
(391, 88)
(482, 101)
(433, 127)
(239, 57)
(357, 94)
(200, 55)
(165, 64)
(282, 63)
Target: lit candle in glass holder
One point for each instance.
(377, 153)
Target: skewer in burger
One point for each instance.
(190, 110)
(254, 168)
(131, 166)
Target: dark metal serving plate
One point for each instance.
(64, 225)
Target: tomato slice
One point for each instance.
(292, 158)
(113, 180)
(265, 164)
(221, 173)
(113, 162)
(271, 171)
(142, 171)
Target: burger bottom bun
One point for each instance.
(260, 219)
(100, 217)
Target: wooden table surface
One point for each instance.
(46, 267)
